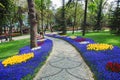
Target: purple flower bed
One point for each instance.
(97, 60)
(18, 71)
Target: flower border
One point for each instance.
(96, 60)
(18, 71)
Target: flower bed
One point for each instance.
(98, 47)
(114, 67)
(17, 59)
(98, 60)
(18, 71)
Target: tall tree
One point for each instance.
(20, 19)
(42, 12)
(95, 9)
(42, 18)
(115, 19)
(4, 11)
(85, 17)
(63, 18)
(76, 3)
(99, 16)
(33, 23)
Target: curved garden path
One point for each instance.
(64, 63)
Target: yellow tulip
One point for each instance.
(17, 59)
(98, 47)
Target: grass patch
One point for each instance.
(11, 48)
(101, 37)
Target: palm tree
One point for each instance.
(33, 23)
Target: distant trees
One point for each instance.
(115, 19)
(4, 12)
(96, 13)
(73, 15)
(7, 16)
(44, 14)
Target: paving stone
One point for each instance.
(81, 72)
(64, 63)
(48, 71)
(62, 76)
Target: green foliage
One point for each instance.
(11, 48)
(43, 10)
(57, 27)
(96, 15)
(1, 5)
(69, 14)
(115, 21)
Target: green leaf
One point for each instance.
(1, 5)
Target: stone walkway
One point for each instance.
(21, 37)
(64, 63)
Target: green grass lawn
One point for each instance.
(101, 37)
(8, 49)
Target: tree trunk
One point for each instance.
(38, 23)
(98, 26)
(20, 20)
(33, 24)
(51, 28)
(0, 30)
(10, 31)
(4, 29)
(42, 17)
(75, 16)
(85, 16)
(46, 27)
(63, 19)
(21, 25)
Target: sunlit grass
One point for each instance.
(101, 37)
(11, 48)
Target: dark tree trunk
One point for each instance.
(75, 17)
(4, 29)
(20, 20)
(46, 27)
(38, 28)
(33, 24)
(51, 27)
(98, 25)
(42, 16)
(0, 30)
(10, 31)
(85, 17)
(21, 25)
(63, 19)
